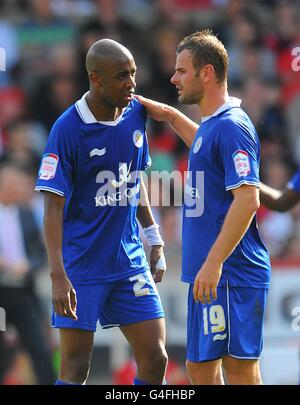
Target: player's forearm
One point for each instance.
(278, 200)
(269, 196)
(53, 228)
(236, 224)
(144, 211)
(183, 125)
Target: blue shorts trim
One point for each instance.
(232, 325)
(121, 302)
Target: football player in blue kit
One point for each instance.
(90, 175)
(284, 200)
(223, 257)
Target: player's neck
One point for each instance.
(213, 99)
(102, 112)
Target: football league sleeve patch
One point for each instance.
(241, 163)
(55, 170)
(48, 166)
(239, 152)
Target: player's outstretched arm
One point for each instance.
(63, 293)
(278, 200)
(146, 219)
(183, 125)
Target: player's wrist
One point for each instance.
(57, 273)
(171, 114)
(153, 236)
(214, 260)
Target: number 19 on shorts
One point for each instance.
(214, 322)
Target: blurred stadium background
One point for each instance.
(45, 42)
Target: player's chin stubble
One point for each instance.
(192, 98)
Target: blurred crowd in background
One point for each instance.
(46, 41)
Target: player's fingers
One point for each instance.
(68, 308)
(195, 290)
(214, 292)
(206, 294)
(201, 294)
(73, 300)
(64, 306)
(159, 276)
(142, 99)
(60, 307)
(55, 307)
(153, 268)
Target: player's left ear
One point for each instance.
(95, 79)
(207, 73)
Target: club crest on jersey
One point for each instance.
(48, 166)
(138, 138)
(241, 163)
(198, 144)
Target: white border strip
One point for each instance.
(110, 325)
(228, 316)
(53, 190)
(243, 358)
(250, 183)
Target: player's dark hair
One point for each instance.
(206, 49)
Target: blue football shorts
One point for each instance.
(231, 325)
(118, 303)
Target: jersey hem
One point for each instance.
(157, 315)
(73, 324)
(232, 284)
(108, 279)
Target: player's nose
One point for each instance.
(174, 79)
(131, 83)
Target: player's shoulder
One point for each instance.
(136, 104)
(233, 116)
(137, 107)
(236, 120)
(67, 122)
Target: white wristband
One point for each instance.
(153, 236)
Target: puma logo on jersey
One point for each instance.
(97, 152)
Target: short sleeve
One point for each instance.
(56, 167)
(294, 183)
(239, 152)
(146, 159)
(142, 114)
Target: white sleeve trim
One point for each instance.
(240, 183)
(53, 190)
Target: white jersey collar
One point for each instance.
(88, 117)
(232, 102)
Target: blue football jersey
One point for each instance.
(224, 155)
(294, 183)
(95, 166)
